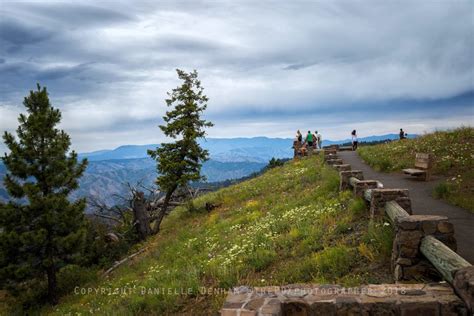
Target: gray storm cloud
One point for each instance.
(268, 67)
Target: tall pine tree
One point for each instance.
(40, 229)
(180, 162)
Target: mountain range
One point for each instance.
(255, 149)
(109, 171)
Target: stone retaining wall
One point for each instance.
(408, 263)
(381, 299)
(381, 196)
(344, 177)
(362, 185)
(334, 161)
(343, 167)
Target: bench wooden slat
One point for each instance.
(423, 161)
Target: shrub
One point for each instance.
(73, 275)
(358, 206)
(261, 259)
(334, 261)
(97, 251)
(379, 238)
(366, 251)
(332, 181)
(27, 297)
(442, 190)
(191, 207)
(303, 270)
(273, 163)
(384, 165)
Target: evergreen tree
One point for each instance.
(40, 229)
(180, 162)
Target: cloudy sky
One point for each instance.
(268, 67)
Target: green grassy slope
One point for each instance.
(454, 160)
(289, 225)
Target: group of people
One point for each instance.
(314, 141)
(310, 142)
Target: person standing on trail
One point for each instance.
(318, 140)
(402, 134)
(355, 141)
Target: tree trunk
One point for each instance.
(141, 218)
(52, 285)
(163, 209)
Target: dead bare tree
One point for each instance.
(143, 209)
(115, 213)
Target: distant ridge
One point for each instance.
(259, 149)
(231, 158)
(254, 149)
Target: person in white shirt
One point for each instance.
(319, 140)
(354, 140)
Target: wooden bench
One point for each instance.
(423, 166)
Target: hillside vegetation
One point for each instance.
(453, 160)
(290, 225)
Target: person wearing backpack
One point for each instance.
(299, 136)
(402, 134)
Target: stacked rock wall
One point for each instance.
(328, 300)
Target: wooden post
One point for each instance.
(446, 261)
(394, 210)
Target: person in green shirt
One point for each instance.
(309, 139)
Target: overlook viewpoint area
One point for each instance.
(324, 234)
(237, 158)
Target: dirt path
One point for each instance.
(422, 201)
